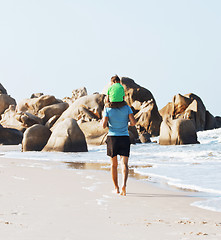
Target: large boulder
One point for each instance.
(134, 132)
(210, 121)
(167, 111)
(67, 137)
(199, 110)
(27, 119)
(52, 121)
(218, 122)
(35, 138)
(177, 132)
(49, 111)
(10, 136)
(86, 108)
(148, 120)
(145, 138)
(9, 119)
(33, 105)
(134, 92)
(94, 132)
(80, 92)
(76, 93)
(36, 95)
(18, 120)
(141, 99)
(189, 106)
(5, 102)
(179, 105)
(2, 89)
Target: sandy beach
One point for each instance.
(84, 81)
(48, 200)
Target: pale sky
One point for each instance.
(166, 46)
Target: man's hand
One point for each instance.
(133, 121)
(104, 122)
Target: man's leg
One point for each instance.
(114, 174)
(124, 167)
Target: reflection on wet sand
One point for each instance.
(89, 166)
(106, 167)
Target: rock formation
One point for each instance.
(9, 119)
(10, 136)
(210, 121)
(37, 110)
(77, 93)
(144, 106)
(67, 137)
(33, 105)
(49, 111)
(94, 132)
(218, 122)
(5, 102)
(18, 120)
(2, 90)
(177, 132)
(189, 106)
(148, 120)
(36, 95)
(74, 125)
(35, 138)
(86, 108)
(27, 119)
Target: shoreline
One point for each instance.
(203, 196)
(106, 167)
(39, 200)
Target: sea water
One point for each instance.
(194, 167)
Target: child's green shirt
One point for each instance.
(116, 93)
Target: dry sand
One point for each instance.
(48, 201)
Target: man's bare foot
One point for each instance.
(123, 191)
(116, 190)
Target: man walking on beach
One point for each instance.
(118, 141)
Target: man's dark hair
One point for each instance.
(115, 79)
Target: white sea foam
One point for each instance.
(196, 167)
(91, 188)
(102, 201)
(213, 204)
(19, 178)
(90, 177)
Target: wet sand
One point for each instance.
(49, 200)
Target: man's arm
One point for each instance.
(133, 121)
(105, 121)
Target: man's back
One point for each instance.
(118, 120)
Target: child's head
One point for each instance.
(115, 79)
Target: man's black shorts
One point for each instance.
(118, 145)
